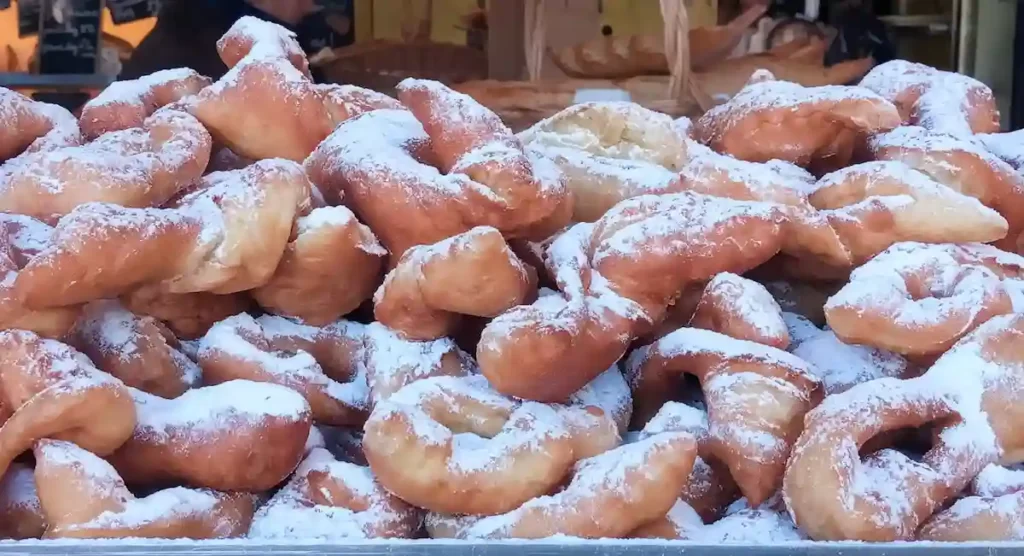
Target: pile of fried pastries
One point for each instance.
(262, 307)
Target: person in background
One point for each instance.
(186, 33)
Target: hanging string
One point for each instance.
(677, 46)
(534, 38)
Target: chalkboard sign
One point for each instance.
(126, 11)
(28, 17)
(69, 37)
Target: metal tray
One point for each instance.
(508, 548)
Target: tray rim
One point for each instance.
(546, 547)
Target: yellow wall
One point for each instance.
(132, 32)
(626, 17)
(643, 17)
(388, 14)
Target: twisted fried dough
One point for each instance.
(992, 511)
(51, 391)
(753, 438)
(239, 348)
(876, 204)
(266, 105)
(330, 499)
(741, 309)
(808, 233)
(348, 101)
(188, 315)
(919, 299)
(139, 351)
(815, 127)
(21, 238)
(393, 362)
(710, 487)
(330, 266)
(963, 166)
(254, 210)
(126, 104)
(972, 395)
(138, 167)
(610, 495)
(235, 436)
(617, 278)
(224, 236)
(83, 497)
(101, 250)
(473, 273)
(445, 165)
(477, 452)
(609, 152)
(30, 127)
(978, 519)
(371, 357)
(938, 100)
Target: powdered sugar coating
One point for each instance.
(339, 217)
(609, 392)
(355, 506)
(997, 480)
(631, 177)
(452, 110)
(801, 329)
(393, 362)
(880, 281)
(212, 409)
(378, 144)
(567, 255)
(617, 130)
(239, 336)
(18, 489)
(608, 474)
(943, 104)
(883, 489)
(841, 366)
(677, 417)
(775, 179)
(92, 468)
(1008, 146)
(28, 236)
(761, 526)
(138, 166)
(918, 138)
(16, 110)
(528, 425)
(422, 255)
(138, 98)
(673, 221)
(268, 43)
(694, 340)
(111, 328)
(169, 504)
(1001, 519)
(777, 95)
(747, 301)
(162, 506)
